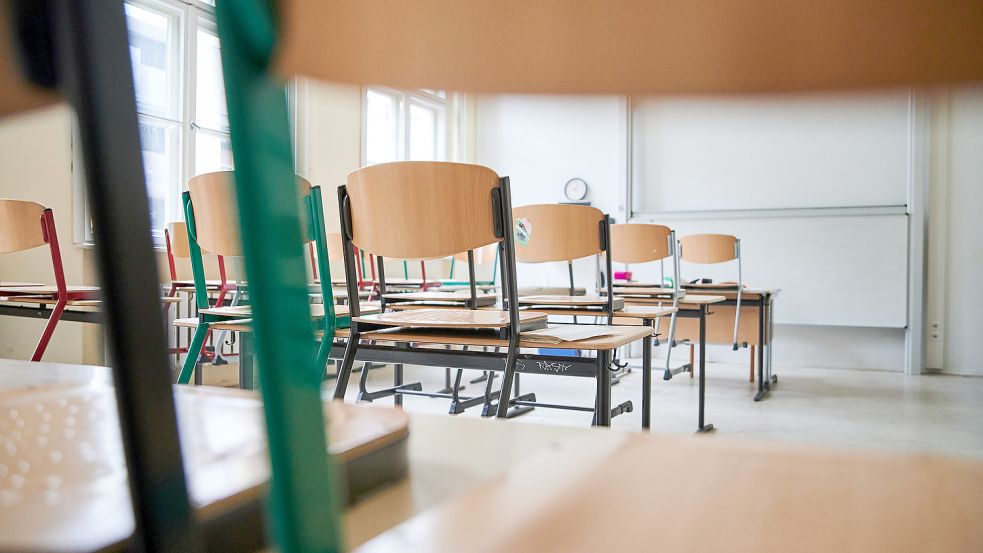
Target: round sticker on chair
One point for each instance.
(523, 231)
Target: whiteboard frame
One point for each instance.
(919, 163)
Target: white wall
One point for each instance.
(955, 272)
(542, 141)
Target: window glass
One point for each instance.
(210, 108)
(213, 152)
(423, 132)
(160, 143)
(381, 132)
(156, 76)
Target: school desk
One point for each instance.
(63, 477)
(756, 328)
(607, 491)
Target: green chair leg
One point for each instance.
(194, 351)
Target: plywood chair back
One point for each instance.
(420, 209)
(716, 248)
(640, 243)
(177, 239)
(25, 225)
(21, 225)
(334, 246)
(216, 216)
(557, 232)
(708, 248)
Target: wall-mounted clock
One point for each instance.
(576, 189)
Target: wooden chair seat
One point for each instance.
(616, 336)
(829, 501)
(445, 297)
(568, 301)
(468, 319)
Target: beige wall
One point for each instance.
(36, 161)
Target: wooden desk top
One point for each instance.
(189, 282)
(618, 336)
(591, 495)
(48, 300)
(5, 283)
(578, 301)
(687, 300)
(644, 291)
(317, 310)
(63, 479)
(450, 318)
(38, 290)
(443, 297)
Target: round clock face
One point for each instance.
(575, 189)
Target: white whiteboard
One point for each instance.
(839, 271)
(773, 152)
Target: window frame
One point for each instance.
(191, 16)
(439, 101)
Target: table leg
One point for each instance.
(702, 427)
(762, 385)
(603, 406)
(647, 378)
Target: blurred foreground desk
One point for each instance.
(609, 491)
(63, 477)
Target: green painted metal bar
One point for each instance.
(303, 509)
(320, 237)
(201, 291)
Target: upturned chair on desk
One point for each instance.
(710, 249)
(647, 243)
(551, 233)
(213, 225)
(436, 209)
(25, 225)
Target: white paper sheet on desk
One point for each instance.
(566, 333)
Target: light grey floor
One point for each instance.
(842, 408)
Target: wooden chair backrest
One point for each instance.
(525, 47)
(335, 252)
(421, 209)
(177, 233)
(556, 232)
(20, 225)
(639, 242)
(708, 248)
(216, 214)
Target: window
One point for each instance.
(404, 125)
(180, 94)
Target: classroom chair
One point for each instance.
(213, 225)
(708, 249)
(25, 225)
(646, 243)
(176, 244)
